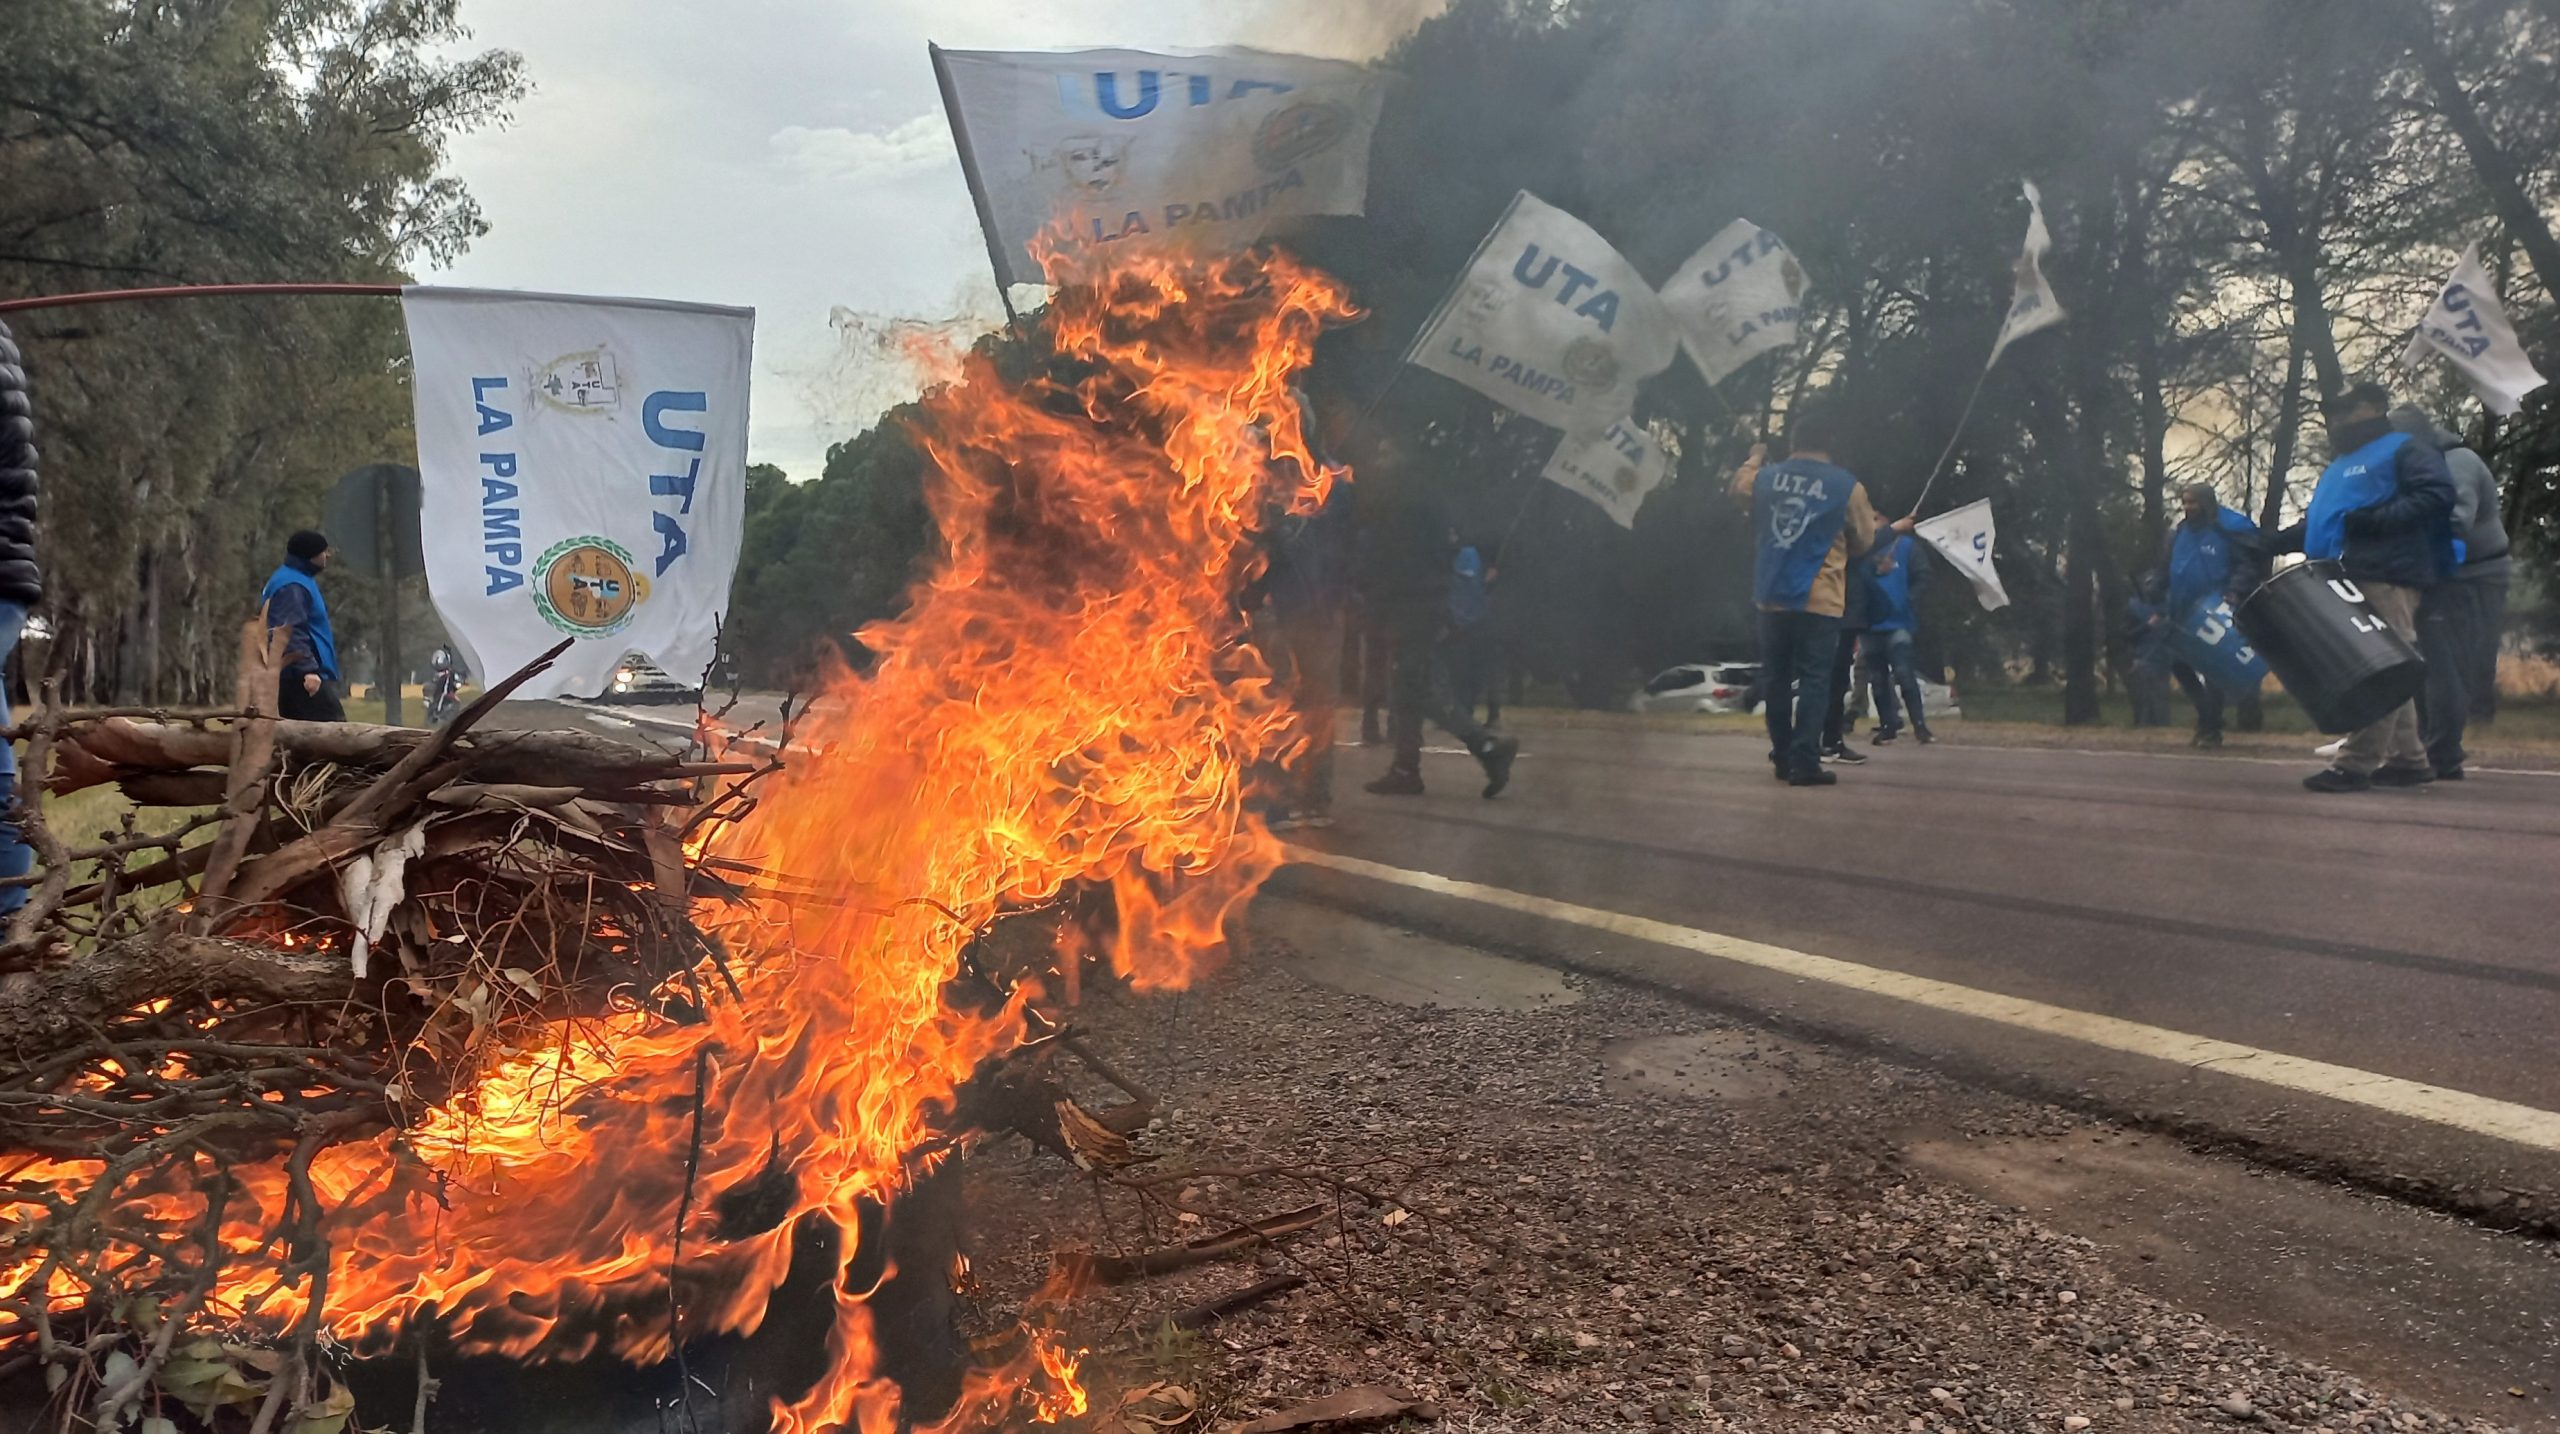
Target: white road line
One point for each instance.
(2461, 1110)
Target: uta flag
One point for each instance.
(2032, 305)
(2469, 328)
(1549, 321)
(1105, 149)
(1616, 470)
(1736, 299)
(582, 473)
(1965, 537)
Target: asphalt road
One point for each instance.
(2405, 934)
(2410, 934)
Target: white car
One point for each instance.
(1701, 687)
(1936, 697)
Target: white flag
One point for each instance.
(2468, 326)
(1966, 537)
(583, 471)
(2032, 307)
(1549, 321)
(1615, 470)
(1124, 147)
(1736, 299)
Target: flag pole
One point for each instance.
(977, 189)
(1961, 420)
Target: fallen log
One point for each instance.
(1209, 1312)
(42, 1009)
(124, 748)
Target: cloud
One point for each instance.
(864, 156)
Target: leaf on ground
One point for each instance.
(1154, 1407)
(1370, 1404)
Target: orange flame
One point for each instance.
(1068, 701)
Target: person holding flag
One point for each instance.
(1892, 665)
(2383, 512)
(1809, 518)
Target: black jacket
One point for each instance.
(19, 581)
(2407, 538)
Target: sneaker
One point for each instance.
(1815, 778)
(2338, 779)
(1398, 782)
(2448, 774)
(1844, 754)
(2404, 776)
(1925, 735)
(2208, 740)
(1882, 736)
(1497, 757)
(1288, 823)
(1319, 820)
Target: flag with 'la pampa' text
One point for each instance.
(1549, 321)
(1616, 470)
(1737, 298)
(582, 469)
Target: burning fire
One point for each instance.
(1068, 701)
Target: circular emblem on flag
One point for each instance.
(1791, 274)
(588, 587)
(1591, 363)
(1624, 480)
(1304, 129)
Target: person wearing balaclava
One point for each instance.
(308, 688)
(2383, 512)
(2462, 618)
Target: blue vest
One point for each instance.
(2200, 559)
(324, 643)
(1797, 508)
(1893, 612)
(2357, 480)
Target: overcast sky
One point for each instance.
(791, 155)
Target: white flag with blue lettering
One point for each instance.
(582, 470)
(2470, 328)
(1106, 149)
(1550, 321)
(1736, 299)
(1965, 537)
(1616, 470)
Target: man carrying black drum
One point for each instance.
(2383, 512)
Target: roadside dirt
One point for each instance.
(1621, 1213)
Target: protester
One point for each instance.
(2147, 638)
(1893, 666)
(1471, 645)
(21, 588)
(1307, 581)
(2212, 553)
(2383, 511)
(1857, 600)
(1405, 564)
(308, 689)
(2461, 618)
(1809, 517)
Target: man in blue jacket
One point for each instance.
(2213, 553)
(2384, 513)
(1809, 518)
(1890, 665)
(308, 690)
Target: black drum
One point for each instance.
(2329, 648)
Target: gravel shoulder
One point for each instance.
(1623, 1212)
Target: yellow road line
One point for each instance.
(2480, 1115)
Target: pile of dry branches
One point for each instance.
(300, 934)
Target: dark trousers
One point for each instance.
(2206, 696)
(2450, 619)
(1475, 669)
(1421, 690)
(1797, 650)
(2150, 687)
(1893, 670)
(1835, 709)
(297, 705)
(2484, 657)
(1377, 674)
